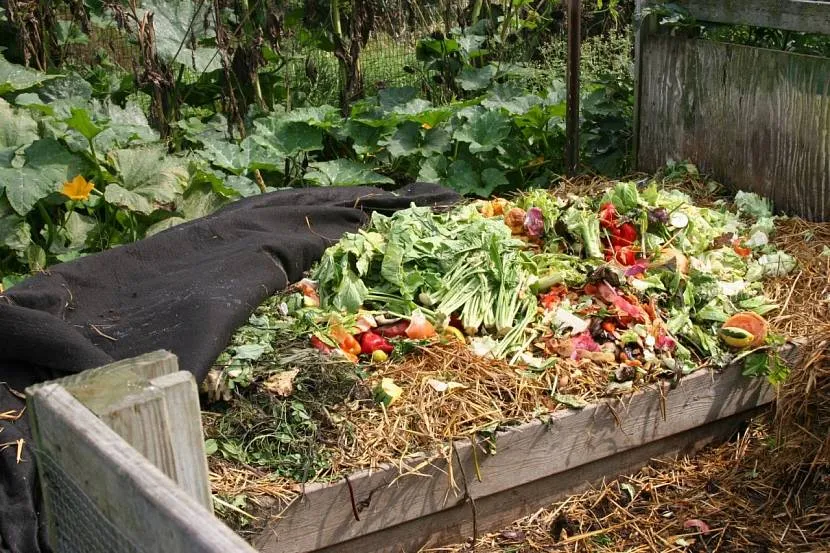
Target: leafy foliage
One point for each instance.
(478, 128)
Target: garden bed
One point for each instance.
(438, 466)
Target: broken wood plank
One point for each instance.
(155, 408)
(181, 397)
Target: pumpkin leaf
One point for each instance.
(343, 172)
(45, 166)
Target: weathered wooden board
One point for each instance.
(496, 511)
(755, 119)
(110, 492)
(155, 407)
(808, 16)
(181, 397)
(526, 454)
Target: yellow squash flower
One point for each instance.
(77, 189)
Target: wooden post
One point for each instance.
(155, 408)
(572, 75)
(643, 27)
(100, 492)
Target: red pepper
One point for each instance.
(625, 256)
(608, 216)
(344, 340)
(553, 297)
(371, 342)
(318, 344)
(741, 250)
(626, 234)
(393, 330)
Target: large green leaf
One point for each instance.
(343, 172)
(16, 77)
(324, 117)
(224, 154)
(176, 23)
(164, 224)
(147, 178)
(77, 229)
(242, 185)
(15, 232)
(46, 166)
(476, 78)
(433, 169)
(484, 130)
(462, 178)
(200, 200)
(81, 121)
(17, 127)
(286, 138)
(127, 126)
(511, 98)
(412, 139)
(65, 87)
(119, 196)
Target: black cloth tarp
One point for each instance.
(185, 290)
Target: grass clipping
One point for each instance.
(265, 444)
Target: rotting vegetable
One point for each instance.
(638, 279)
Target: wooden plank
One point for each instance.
(494, 512)
(535, 450)
(181, 398)
(127, 492)
(755, 119)
(807, 16)
(155, 408)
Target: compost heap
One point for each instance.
(425, 326)
(776, 471)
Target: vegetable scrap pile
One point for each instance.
(424, 327)
(638, 279)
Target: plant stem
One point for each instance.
(50, 225)
(476, 12)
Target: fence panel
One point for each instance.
(753, 118)
(806, 16)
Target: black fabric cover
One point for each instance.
(185, 290)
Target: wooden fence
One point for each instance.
(753, 118)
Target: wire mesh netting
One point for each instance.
(390, 49)
(78, 526)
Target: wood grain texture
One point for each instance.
(155, 408)
(755, 119)
(181, 398)
(496, 511)
(129, 492)
(527, 453)
(809, 16)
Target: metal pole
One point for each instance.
(572, 76)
